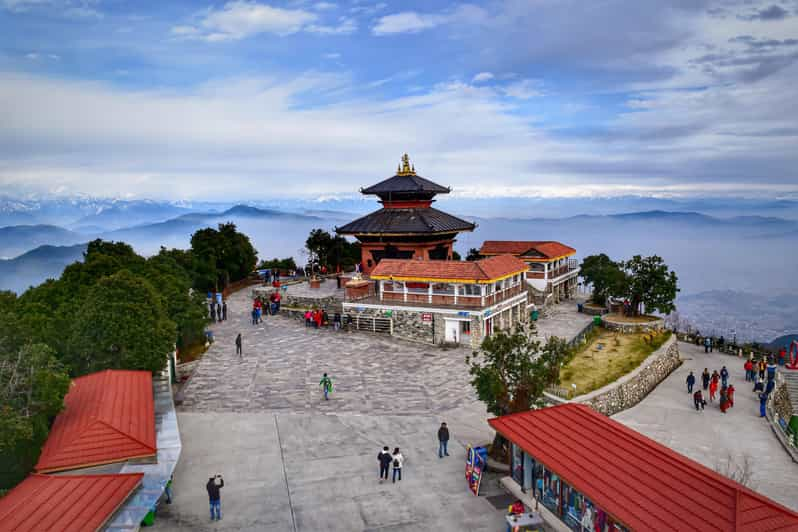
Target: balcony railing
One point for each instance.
(448, 299)
(572, 265)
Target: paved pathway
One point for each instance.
(562, 320)
(667, 415)
(293, 462)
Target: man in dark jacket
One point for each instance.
(239, 349)
(215, 498)
(443, 441)
(724, 377)
(385, 459)
(690, 382)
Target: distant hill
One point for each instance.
(783, 341)
(37, 265)
(126, 214)
(18, 239)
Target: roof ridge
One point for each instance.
(126, 434)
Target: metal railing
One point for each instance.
(369, 323)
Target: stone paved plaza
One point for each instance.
(292, 461)
(283, 362)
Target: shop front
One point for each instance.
(586, 472)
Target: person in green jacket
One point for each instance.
(326, 385)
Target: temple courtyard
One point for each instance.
(293, 462)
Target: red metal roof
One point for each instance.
(65, 503)
(642, 483)
(481, 270)
(549, 249)
(108, 416)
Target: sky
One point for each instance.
(509, 98)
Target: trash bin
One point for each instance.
(149, 519)
(535, 314)
(794, 427)
(596, 320)
(580, 307)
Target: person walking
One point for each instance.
(213, 313)
(730, 392)
(762, 368)
(713, 389)
(690, 382)
(398, 460)
(224, 311)
(308, 318)
(167, 490)
(749, 370)
(771, 369)
(326, 385)
(724, 400)
(707, 344)
(763, 402)
(219, 312)
(705, 379)
(443, 440)
(337, 321)
(698, 400)
(214, 497)
(239, 350)
(724, 376)
(254, 316)
(384, 458)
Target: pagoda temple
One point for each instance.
(407, 226)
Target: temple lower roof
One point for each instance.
(423, 220)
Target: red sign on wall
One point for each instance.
(426, 316)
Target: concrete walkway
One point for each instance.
(668, 416)
(562, 320)
(294, 462)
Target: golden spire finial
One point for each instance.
(405, 167)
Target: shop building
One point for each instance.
(583, 470)
(407, 226)
(445, 301)
(552, 270)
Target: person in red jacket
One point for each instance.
(730, 395)
(749, 370)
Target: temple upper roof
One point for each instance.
(406, 185)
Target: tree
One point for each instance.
(511, 370)
(221, 256)
(473, 254)
(651, 284)
(456, 256)
(606, 276)
(33, 384)
(123, 324)
(331, 251)
(281, 264)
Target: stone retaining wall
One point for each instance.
(635, 386)
(631, 328)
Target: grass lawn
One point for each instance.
(607, 356)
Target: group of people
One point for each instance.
(260, 308)
(711, 382)
(318, 318)
(217, 310)
(387, 459)
(756, 371)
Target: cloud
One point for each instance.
(324, 6)
(65, 8)
(241, 19)
(414, 22)
(217, 139)
(344, 26)
(332, 55)
(523, 89)
(482, 77)
(774, 12)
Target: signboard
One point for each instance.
(426, 316)
(463, 313)
(476, 463)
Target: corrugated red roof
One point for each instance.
(65, 503)
(108, 416)
(548, 248)
(481, 270)
(642, 483)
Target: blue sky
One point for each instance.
(248, 99)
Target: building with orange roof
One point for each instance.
(108, 417)
(67, 503)
(580, 469)
(552, 271)
(449, 301)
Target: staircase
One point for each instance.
(791, 381)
